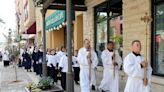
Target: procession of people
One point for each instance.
(84, 65)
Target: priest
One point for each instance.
(88, 61)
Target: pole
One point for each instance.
(44, 65)
(145, 73)
(147, 19)
(70, 82)
(114, 70)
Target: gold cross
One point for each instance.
(147, 19)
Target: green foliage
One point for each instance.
(33, 87)
(101, 18)
(118, 39)
(45, 83)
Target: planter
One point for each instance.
(53, 89)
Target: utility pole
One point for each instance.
(44, 64)
(70, 81)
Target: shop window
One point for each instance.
(108, 25)
(158, 62)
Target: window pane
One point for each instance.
(159, 40)
(115, 33)
(101, 34)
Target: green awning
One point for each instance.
(55, 19)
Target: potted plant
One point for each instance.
(45, 83)
(32, 87)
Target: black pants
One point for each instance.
(48, 70)
(53, 73)
(76, 73)
(6, 63)
(34, 66)
(20, 63)
(63, 80)
(39, 69)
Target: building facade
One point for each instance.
(104, 20)
(120, 21)
(26, 23)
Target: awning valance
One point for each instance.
(55, 19)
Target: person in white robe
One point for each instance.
(111, 63)
(61, 53)
(88, 61)
(52, 62)
(76, 67)
(63, 64)
(134, 64)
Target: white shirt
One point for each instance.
(52, 60)
(5, 55)
(59, 55)
(64, 63)
(47, 56)
(75, 62)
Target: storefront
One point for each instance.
(120, 21)
(55, 28)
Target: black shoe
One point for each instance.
(40, 75)
(102, 91)
(93, 87)
(77, 83)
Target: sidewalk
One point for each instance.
(99, 75)
(7, 76)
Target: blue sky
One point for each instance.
(7, 13)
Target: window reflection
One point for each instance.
(108, 26)
(159, 40)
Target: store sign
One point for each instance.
(54, 20)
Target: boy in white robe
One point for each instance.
(61, 53)
(63, 64)
(111, 63)
(76, 67)
(134, 65)
(52, 64)
(88, 61)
